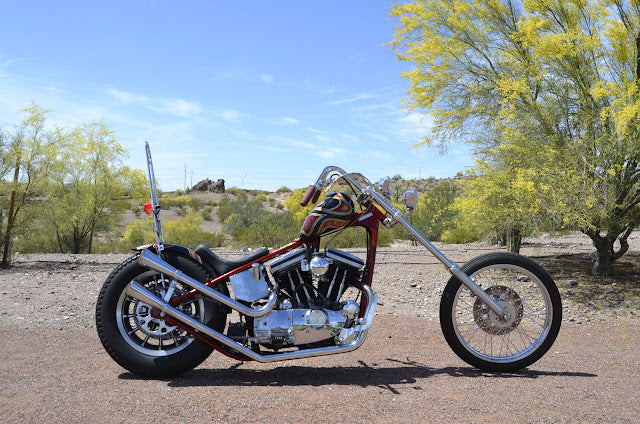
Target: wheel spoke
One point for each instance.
(527, 302)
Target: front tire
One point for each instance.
(138, 340)
(482, 339)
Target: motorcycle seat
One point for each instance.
(221, 265)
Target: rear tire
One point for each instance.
(145, 345)
(482, 339)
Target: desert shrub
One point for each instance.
(182, 211)
(249, 224)
(235, 191)
(167, 201)
(462, 234)
(207, 213)
(196, 204)
(284, 189)
(271, 229)
(185, 231)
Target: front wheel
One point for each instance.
(483, 339)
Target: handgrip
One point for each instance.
(312, 192)
(314, 199)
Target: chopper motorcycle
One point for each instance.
(163, 311)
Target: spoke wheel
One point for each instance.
(482, 338)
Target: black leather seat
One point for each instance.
(222, 266)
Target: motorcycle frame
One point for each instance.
(331, 173)
(369, 218)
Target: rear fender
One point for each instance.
(186, 252)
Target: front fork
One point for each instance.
(451, 267)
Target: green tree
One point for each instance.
(547, 87)
(27, 158)
(433, 214)
(87, 189)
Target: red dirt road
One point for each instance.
(404, 373)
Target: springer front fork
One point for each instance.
(451, 267)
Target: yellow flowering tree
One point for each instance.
(87, 185)
(547, 92)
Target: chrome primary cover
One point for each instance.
(298, 326)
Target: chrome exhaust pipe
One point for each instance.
(136, 291)
(153, 261)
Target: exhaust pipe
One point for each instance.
(153, 261)
(136, 291)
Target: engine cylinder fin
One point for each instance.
(344, 277)
(333, 281)
(304, 287)
(293, 287)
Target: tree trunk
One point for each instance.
(605, 247)
(603, 265)
(514, 239)
(6, 252)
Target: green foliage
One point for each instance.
(462, 233)
(292, 204)
(283, 189)
(27, 158)
(185, 231)
(268, 229)
(551, 93)
(168, 201)
(433, 214)
(249, 224)
(69, 187)
(87, 185)
(207, 213)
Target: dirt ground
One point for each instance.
(54, 369)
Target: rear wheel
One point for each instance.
(483, 339)
(137, 337)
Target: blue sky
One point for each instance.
(260, 93)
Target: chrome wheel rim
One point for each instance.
(148, 334)
(525, 299)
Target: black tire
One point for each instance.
(478, 336)
(145, 345)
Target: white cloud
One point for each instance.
(126, 97)
(292, 142)
(230, 115)
(363, 96)
(378, 137)
(180, 107)
(175, 106)
(290, 121)
(267, 79)
(352, 139)
(54, 89)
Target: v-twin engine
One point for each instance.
(310, 309)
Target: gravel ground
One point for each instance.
(54, 369)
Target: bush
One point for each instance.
(462, 234)
(271, 229)
(185, 231)
(167, 201)
(283, 189)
